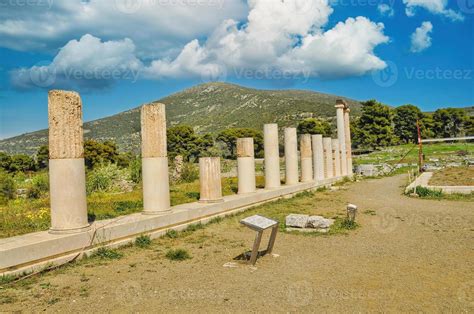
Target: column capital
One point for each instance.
(341, 103)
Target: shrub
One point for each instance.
(101, 178)
(427, 193)
(106, 253)
(178, 255)
(143, 241)
(172, 234)
(7, 187)
(39, 185)
(190, 173)
(135, 169)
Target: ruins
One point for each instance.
(323, 161)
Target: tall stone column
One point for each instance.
(336, 157)
(318, 157)
(306, 158)
(341, 131)
(291, 156)
(246, 165)
(347, 124)
(156, 189)
(67, 174)
(327, 149)
(210, 180)
(272, 158)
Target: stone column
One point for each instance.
(210, 180)
(156, 189)
(291, 156)
(272, 158)
(67, 175)
(306, 158)
(318, 157)
(341, 131)
(336, 157)
(246, 165)
(327, 149)
(347, 124)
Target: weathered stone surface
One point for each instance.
(245, 147)
(210, 179)
(153, 124)
(65, 125)
(305, 146)
(296, 220)
(319, 222)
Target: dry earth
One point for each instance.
(409, 255)
(453, 176)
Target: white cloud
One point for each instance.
(433, 6)
(421, 39)
(385, 10)
(286, 36)
(156, 26)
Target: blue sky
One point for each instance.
(124, 53)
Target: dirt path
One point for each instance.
(409, 255)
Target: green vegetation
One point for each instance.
(143, 241)
(178, 255)
(315, 126)
(106, 253)
(229, 139)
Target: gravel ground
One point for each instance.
(408, 255)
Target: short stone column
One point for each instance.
(210, 180)
(291, 156)
(156, 189)
(67, 174)
(306, 158)
(272, 157)
(246, 165)
(347, 124)
(341, 131)
(318, 157)
(328, 166)
(336, 157)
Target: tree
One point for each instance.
(42, 157)
(315, 126)
(404, 121)
(469, 126)
(449, 122)
(229, 138)
(5, 161)
(22, 163)
(182, 140)
(96, 153)
(374, 127)
(427, 126)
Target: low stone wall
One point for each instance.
(34, 251)
(424, 179)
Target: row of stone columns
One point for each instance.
(320, 158)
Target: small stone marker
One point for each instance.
(351, 212)
(259, 224)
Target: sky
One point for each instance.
(119, 54)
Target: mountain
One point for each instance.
(207, 107)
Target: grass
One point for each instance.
(177, 255)
(434, 194)
(22, 216)
(143, 241)
(453, 176)
(392, 155)
(106, 253)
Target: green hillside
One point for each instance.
(208, 108)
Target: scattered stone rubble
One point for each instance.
(306, 223)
